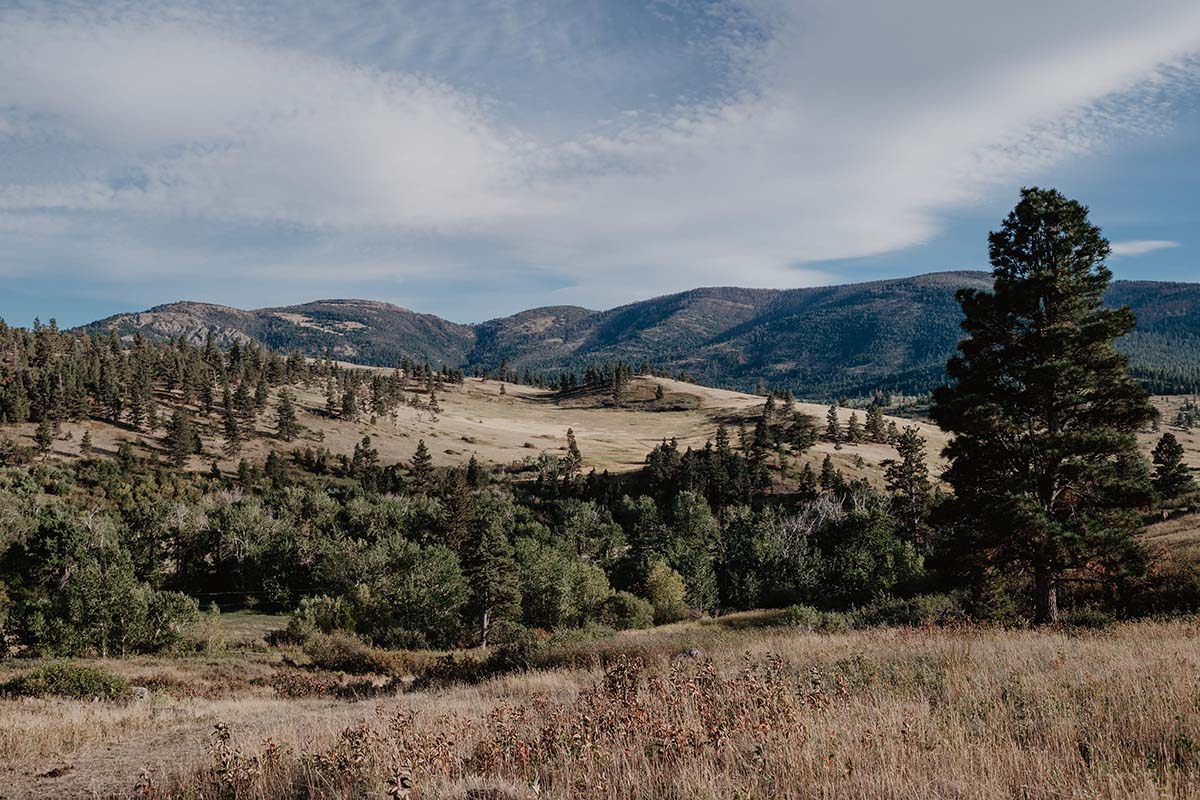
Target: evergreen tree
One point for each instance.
(1172, 477)
(1042, 406)
(908, 481)
(802, 432)
(422, 467)
(875, 425)
(854, 429)
(833, 429)
(85, 444)
(491, 570)
(231, 426)
(659, 394)
(349, 405)
(831, 477)
(285, 417)
(180, 440)
(574, 460)
(43, 436)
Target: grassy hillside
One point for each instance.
(823, 343)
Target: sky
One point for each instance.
(472, 159)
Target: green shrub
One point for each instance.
(623, 611)
(1086, 618)
(68, 680)
(320, 614)
(666, 592)
(345, 652)
(811, 619)
(925, 609)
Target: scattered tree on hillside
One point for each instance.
(833, 429)
(909, 484)
(1172, 478)
(181, 440)
(285, 417)
(422, 467)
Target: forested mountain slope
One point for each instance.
(821, 342)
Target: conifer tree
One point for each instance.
(349, 405)
(231, 426)
(854, 429)
(659, 394)
(285, 417)
(802, 433)
(422, 467)
(181, 438)
(909, 484)
(491, 570)
(1042, 407)
(876, 431)
(43, 437)
(831, 477)
(85, 444)
(1172, 478)
(574, 460)
(833, 429)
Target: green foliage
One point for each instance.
(666, 592)
(807, 618)
(345, 652)
(917, 611)
(75, 681)
(1172, 478)
(623, 611)
(1044, 463)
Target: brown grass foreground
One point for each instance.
(884, 714)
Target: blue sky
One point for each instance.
(471, 159)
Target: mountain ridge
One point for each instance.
(892, 334)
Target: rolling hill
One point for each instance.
(822, 342)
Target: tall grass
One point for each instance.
(971, 713)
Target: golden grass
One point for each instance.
(478, 421)
(975, 713)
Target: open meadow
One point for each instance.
(744, 706)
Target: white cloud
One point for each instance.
(1140, 247)
(828, 131)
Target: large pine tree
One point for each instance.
(1044, 460)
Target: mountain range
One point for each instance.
(823, 342)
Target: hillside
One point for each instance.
(822, 343)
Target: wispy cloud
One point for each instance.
(1140, 247)
(769, 136)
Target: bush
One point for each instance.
(345, 652)
(913, 612)
(623, 611)
(666, 592)
(320, 614)
(1086, 618)
(68, 680)
(811, 619)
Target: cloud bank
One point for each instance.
(251, 142)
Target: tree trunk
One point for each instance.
(485, 623)
(1047, 598)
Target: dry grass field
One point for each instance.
(477, 420)
(752, 712)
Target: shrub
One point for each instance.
(1086, 618)
(68, 680)
(345, 652)
(320, 614)
(666, 592)
(623, 611)
(926, 609)
(811, 619)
